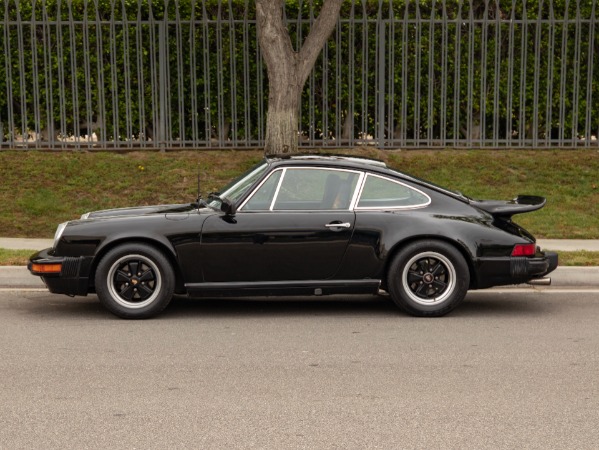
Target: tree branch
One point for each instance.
(320, 32)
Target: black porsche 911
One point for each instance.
(299, 225)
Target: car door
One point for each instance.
(295, 226)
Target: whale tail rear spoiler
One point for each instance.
(506, 209)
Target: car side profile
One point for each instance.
(299, 225)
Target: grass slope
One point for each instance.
(38, 190)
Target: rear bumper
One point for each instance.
(513, 270)
(61, 274)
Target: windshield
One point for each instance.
(236, 188)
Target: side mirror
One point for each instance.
(227, 207)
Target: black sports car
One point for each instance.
(300, 225)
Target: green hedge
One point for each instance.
(69, 63)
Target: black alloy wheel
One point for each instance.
(135, 281)
(428, 278)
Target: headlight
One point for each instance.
(58, 233)
(84, 216)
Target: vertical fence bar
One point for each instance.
(325, 94)
(404, 76)
(483, 81)
(522, 128)
(73, 45)
(365, 75)
(443, 76)
(338, 77)
(470, 132)
(510, 82)
(247, 111)
(588, 136)
(391, 78)
(550, 75)
(563, 73)
(219, 76)
(380, 68)
(128, 125)
(430, 88)
(193, 115)
(22, 83)
(537, 76)
(457, 76)
(9, 79)
(162, 82)
(206, 78)
(233, 75)
(349, 123)
(36, 76)
(496, 76)
(576, 69)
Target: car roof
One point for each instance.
(352, 161)
(360, 163)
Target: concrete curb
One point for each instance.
(19, 277)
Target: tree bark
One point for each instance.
(287, 69)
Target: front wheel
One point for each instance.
(135, 281)
(428, 278)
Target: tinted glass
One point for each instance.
(316, 189)
(262, 198)
(235, 190)
(384, 193)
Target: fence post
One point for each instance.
(380, 91)
(162, 81)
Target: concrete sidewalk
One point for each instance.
(546, 244)
(25, 243)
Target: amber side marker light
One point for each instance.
(46, 268)
(524, 250)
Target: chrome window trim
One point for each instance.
(390, 208)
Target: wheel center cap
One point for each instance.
(428, 278)
(134, 281)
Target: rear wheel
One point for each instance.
(135, 281)
(428, 278)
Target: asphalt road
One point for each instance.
(509, 369)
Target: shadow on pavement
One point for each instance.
(475, 305)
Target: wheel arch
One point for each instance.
(461, 247)
(167, 250)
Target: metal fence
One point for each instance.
(160, 74)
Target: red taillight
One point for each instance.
(524, 250)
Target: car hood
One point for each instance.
(141, 211)
(506, 209)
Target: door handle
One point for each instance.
(338, 225)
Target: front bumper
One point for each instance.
(62, 274)
(503, 271)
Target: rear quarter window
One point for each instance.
(380, 192)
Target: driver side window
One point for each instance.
(304, 189)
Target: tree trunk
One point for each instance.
(282, 122)
(287, 69)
